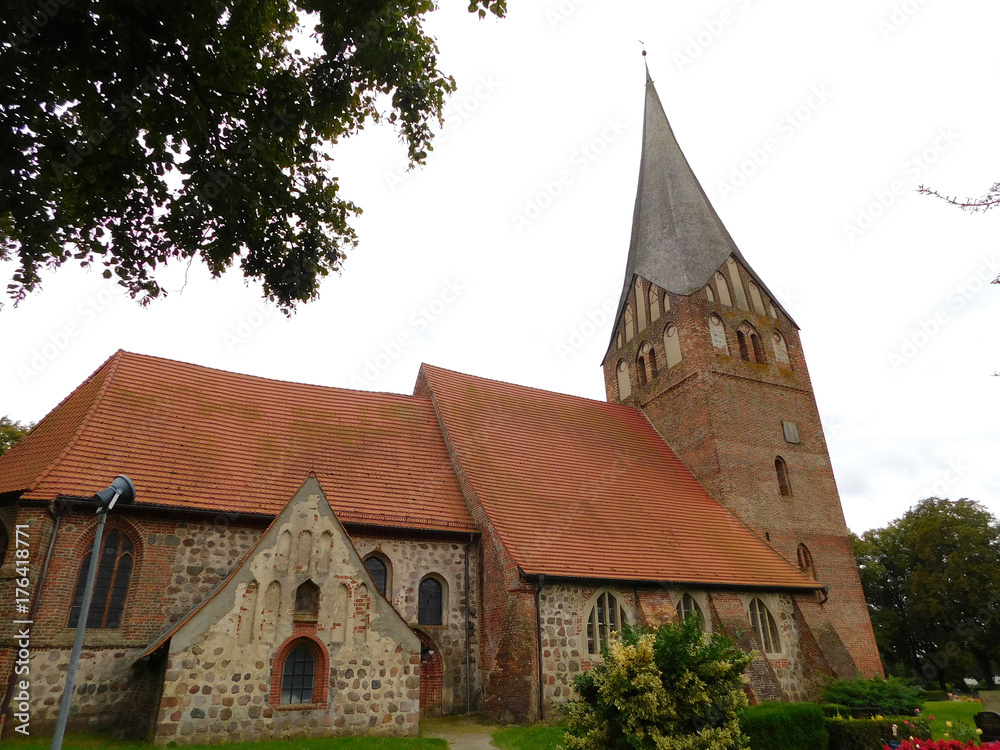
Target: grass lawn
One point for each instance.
(530, 738)
(953, 711)
(103, 742)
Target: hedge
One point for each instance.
(785, 726)
(936, 695)
(893, 696)
(873, 734)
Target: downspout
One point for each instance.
(31, 613)
(538, 623)
(468, 634)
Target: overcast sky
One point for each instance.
(809, 125)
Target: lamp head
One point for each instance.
(121, 491)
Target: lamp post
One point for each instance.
(121, 491)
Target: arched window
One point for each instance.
(688, 607)
(620, 340)
(379, 570)
(806, 561)
(640, 304)
(641, 369)
(758, 303)
(298, 676)
(629, 324)
(651, 359)
(717, 329)
(672, 345)
(710, 293)
(724, 296)
(781, 469)
(758, 350)
(654, 303)
(765, 627)
(604, 615)
(111, 586)
(306, 602)
(744, 352)
(780, 349)
(430, 602)
(624, 384)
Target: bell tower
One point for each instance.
(714, 360)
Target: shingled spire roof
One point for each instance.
(678, 240)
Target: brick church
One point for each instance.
(305, 560)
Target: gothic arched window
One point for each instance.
(654, 303)
(111, 586)
(784, 484)
(629, 324)
(641, 369)
(379, 570)
(624, 384)
(672, 345)
(688, 607)
(806, 561)
(763, 624)
(724, 296)
(430, 601)
(604, 615)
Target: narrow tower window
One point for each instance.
(781, 468)
(624, 384)
(672, 345)
(806, 561)
(758, 350)
(640, 304)
(744, 352)
(718, 331)
(629, 324)
(758, 303)
(780, 349)
(654, 303)
(724, 297)
(641, 370)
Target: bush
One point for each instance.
(871, 734)
(832, 710)
(673, 688)
(785, 726)
(936, 695)
(894, 696)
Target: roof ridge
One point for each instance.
(113, 361)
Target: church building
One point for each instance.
(304, 560)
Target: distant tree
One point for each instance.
(973, 205)
(11, 433)
(932, 581)
(133, 132)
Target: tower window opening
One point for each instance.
(744, 352)
(758, 349)
(642, 370)
(806, 561)
(781, 468)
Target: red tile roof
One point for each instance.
(587, 489)
(194, 437)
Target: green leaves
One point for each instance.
(135, 132)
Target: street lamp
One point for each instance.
(121, 491)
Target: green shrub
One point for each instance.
(785, 726)
(936, 695)
(831, 710)
(872, 734)
(673, 688)
(894, 696)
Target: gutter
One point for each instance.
(468, 634)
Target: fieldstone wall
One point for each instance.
(223, 677)
(409, 562)
(564, 636)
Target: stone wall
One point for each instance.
(409, 562)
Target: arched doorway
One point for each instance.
(431, 673)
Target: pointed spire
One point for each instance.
(678, 240)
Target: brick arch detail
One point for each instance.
(321, 678)
(431, 677)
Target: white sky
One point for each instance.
(861, 101)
